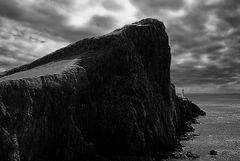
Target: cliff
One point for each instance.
(107, 95)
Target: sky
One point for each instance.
(204, 35)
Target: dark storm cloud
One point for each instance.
(209, 48)
(105, 22)
(209, 30)
(228, 60)
(153, 6)
(62, 2)
(111, 5)
(9, 58)
(72, 34)
(209, 74)
(37, 15)
(97, 25)
(45, 18)
(10, 9)
(13, 55)
(54, 23)
(230, 12)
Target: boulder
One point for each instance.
(213, 152)
(192, 155)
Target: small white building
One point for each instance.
(182, 95)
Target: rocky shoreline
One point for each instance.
(103, 96)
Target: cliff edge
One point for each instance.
(107, 95)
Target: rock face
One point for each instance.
(109, 95)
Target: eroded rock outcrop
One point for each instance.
(109, 95)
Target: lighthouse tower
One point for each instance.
(182, 95)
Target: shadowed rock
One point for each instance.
(192, 155)
(107, 95)
(213, 152)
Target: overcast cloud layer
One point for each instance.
(204, 34)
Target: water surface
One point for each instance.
(219, 130)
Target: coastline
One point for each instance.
(218, 130)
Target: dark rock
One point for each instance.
(188, 136)
(178, 155)
(189, 128)
(128, 158)
(109, 95)
(192, 155)
(158, 155)
(213, 152)
(202, 113)
(194, 121)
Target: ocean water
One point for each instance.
(219, 130)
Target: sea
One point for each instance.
(219, 130)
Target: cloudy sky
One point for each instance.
(204, 34)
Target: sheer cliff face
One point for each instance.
(105, 95)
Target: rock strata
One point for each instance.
(101, 96)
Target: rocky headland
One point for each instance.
(96, 98)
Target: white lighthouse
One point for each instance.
(182, 95)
